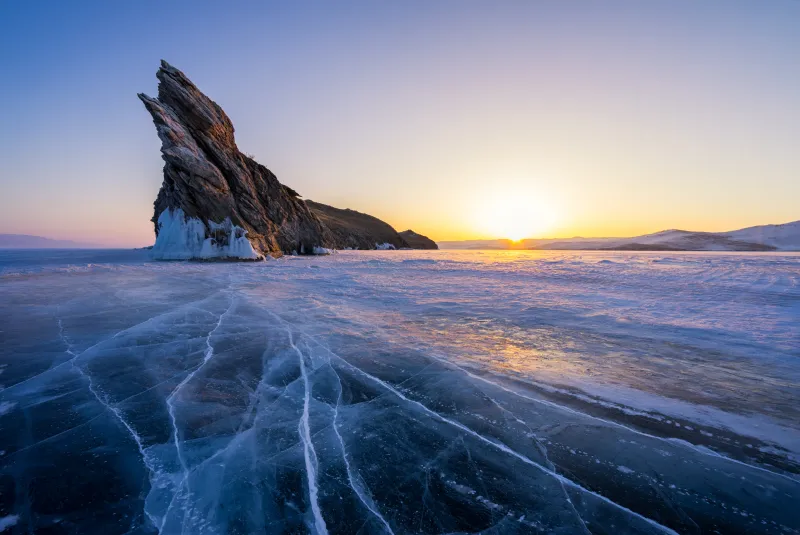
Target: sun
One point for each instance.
(515, 236)
(514, 216)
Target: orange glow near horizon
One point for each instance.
(515, 215)
(603, 121)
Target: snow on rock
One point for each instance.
(184, 238)
(384, 247)
(784, 237)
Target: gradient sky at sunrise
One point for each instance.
(457, 119)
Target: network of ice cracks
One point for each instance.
(243, 404)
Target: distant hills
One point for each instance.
(25, 241)
(784, 237)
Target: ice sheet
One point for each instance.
(401, 392)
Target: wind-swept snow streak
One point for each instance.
(548, 403)
(308, 447)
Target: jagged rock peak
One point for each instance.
(216, 202)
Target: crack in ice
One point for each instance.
(363, 494)
(502, 447)
(209, 353)
(543, 451)
(308, 447)
(672, 441)
(114, 410)
(69, 351)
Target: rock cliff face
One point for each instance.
(356, 230)
(418, 241)
(216, 202)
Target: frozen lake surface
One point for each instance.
(400, 392)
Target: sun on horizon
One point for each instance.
(515, 216)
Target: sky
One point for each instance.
(457, 119)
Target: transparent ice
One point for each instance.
(400, 392)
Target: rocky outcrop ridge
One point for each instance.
(356, 230)
(216, 202)
(417, 241)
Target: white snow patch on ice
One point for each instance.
(6, 406)
(8, 521)
(183, 238)
(652, 405)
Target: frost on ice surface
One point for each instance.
(416, 392)
(184, 238)
(316, 250)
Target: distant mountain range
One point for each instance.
(784, 237)
(761, 238)
(24, 241)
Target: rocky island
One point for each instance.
(218, 203)
(418, 241)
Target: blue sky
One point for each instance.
(576, 118)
